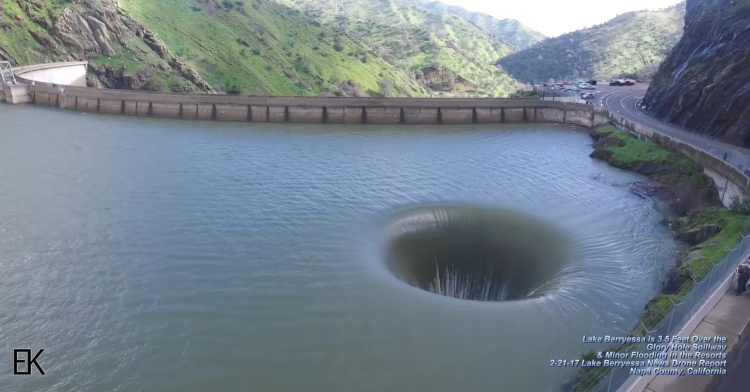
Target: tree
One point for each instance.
(386, 87)
(449, 79)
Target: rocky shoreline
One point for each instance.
(673, 178)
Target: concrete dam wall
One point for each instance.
(311, 110)
(71, 73)
(68, 91)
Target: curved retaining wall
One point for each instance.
(72, 73)
(732, 180)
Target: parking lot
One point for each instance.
(572, 94)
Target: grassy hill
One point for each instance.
(634, 42)
(263, 47)
(442, 51)
(252, 47)
(506, 30)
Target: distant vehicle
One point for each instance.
(586, 86)
(592, 82)
(587, 96)
(629, 82)
(616, 82)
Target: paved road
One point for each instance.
(738, 369)
(622, 100)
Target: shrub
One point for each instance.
(740, 204)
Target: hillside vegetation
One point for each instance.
(258, 47)
(632, 43)
(35, 31)
(510, 31)
(262, 47)
(442, 51)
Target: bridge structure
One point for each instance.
(63, 85)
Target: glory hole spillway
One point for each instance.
(476, 253)
(310, 257)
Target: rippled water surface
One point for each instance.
(149, 255)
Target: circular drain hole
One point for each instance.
(476, 253)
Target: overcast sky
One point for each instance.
(556, 17)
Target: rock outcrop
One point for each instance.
(704, 83)
(696, 235)
(92, 28)
(71, 28)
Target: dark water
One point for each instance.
(149, 255)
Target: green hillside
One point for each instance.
(35, 31)
(262, 47)
(634, 42)
(442, 51)
(253, 47)
(506, 30)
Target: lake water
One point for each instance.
(157, 255)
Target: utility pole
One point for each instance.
(33, 79)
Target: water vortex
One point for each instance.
(476, 253)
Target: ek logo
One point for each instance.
(20, 359)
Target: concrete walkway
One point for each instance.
(738, 369)
(729, 318)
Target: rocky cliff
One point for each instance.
(704, 83)
(33, 31)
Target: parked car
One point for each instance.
(586, 86)
(587, 96)
(617, 82)
(629, 82)
(592, 82)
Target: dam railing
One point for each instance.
(734, 155)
